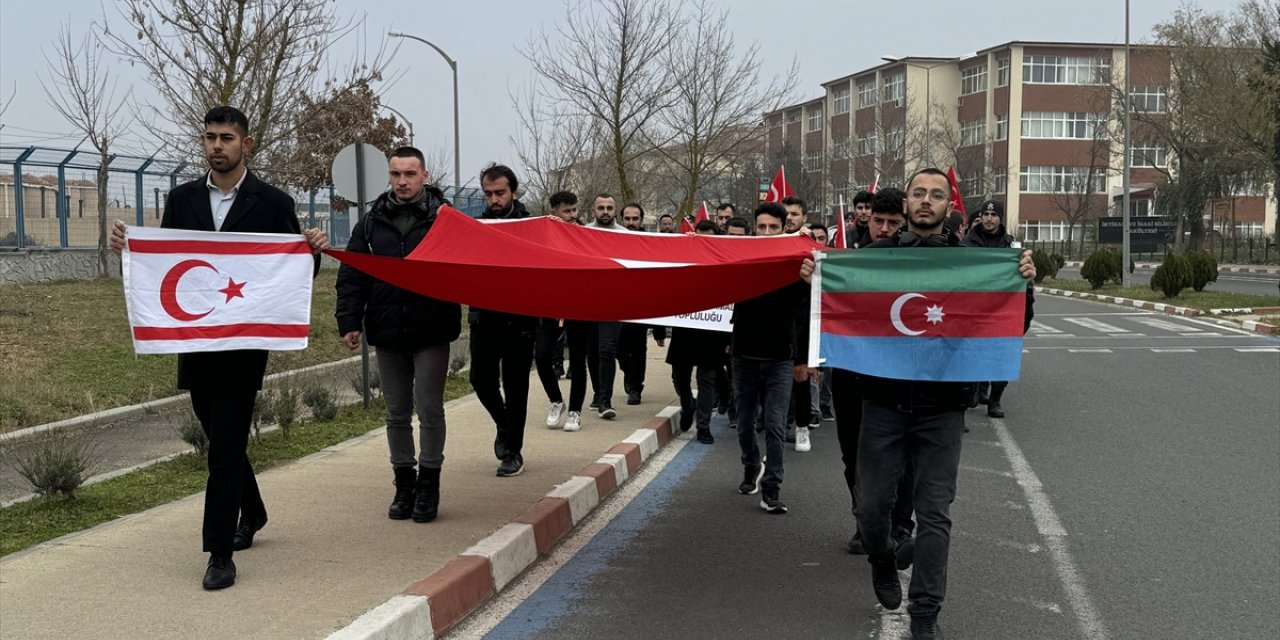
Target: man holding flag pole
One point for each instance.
(222, 364)
(915, 396)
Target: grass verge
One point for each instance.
(1203, 300)
(29, 523)
(68, 350)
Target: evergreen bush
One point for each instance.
(1099, 267)
(1204, 269)
(1045, 265)
(1172, 276)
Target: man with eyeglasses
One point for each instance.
(989, 231)
(919, 421)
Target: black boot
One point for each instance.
(884, 579)
(925, 626)
(427, 502)
(993, 407)
(402, 504)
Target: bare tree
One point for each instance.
(605, 61)
(82, 90)
(262, 57)
(717, 102)
(559, 150)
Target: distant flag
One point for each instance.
(957, 200)
(841, 241)
(685, 225)
(875, 184)
(779, 189)
(702, 214)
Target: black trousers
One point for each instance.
(576, 334)
(549, 340)
(501, 356)
(692, 409)
(633, 352)
(231, 491)
(846, 398)
(602, 360)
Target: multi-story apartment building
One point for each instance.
(1030, 123)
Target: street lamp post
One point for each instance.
(401, 116)
(453, 65)
(1126, 277)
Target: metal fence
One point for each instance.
(49, 196)
(1252, 249)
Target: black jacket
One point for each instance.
(979, 238)
(488, 317)
(697, 347)
(916, 395)
(258, 208)
(773, 326)
(390, 316)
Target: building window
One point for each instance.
(973, 132)
(842, 150)
(973, 186)
(867, 94)
(973, 79)
(815, 119)
(793, 116)
(1002, 72)
(840, 100)
(1244, 229)
(1002, 126)
(1060, 125)
(1061, 180)
(867, 144)
(1149, 99)
(1065, 70)
(999, 182)
(896, 142)
(895, 87)
(1148, 154)
(813, 162)
(1043, 230)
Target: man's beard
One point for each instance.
(502, 211)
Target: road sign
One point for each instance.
(1145, 234)
(354, 161)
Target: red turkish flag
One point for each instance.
(779, 189)
(686, 226)
(702, 214)
(957, 200)
(841, 240)
(189, 291)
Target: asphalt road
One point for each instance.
(1261, 284)
(1133, 491)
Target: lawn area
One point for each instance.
(28, 523)
(1205, 300)
(67, 350)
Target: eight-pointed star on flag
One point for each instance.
(934, 314)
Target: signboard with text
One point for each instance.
(1145, 234)
(716, 319)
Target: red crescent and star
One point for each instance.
(169, 290)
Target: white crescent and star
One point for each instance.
(933, 315)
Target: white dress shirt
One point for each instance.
(219, 202)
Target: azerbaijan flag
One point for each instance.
(941, 314)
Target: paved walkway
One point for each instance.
(328, 554)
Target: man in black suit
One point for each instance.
(224, 384)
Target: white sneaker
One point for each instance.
(802, 439)
(554, 415)
(574, 422)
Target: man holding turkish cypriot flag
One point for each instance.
(225, 278)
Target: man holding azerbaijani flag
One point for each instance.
(918, 327)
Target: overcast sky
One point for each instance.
(828, 38)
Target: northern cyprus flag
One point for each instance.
(190, 291)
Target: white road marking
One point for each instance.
(1039, 327)
(1032, 602)
(1088, 351)
(1163, 325)
(1096, 325)
(1173, 351)
(999, 542)
(1258, 349)
(1050, 527)
(990, 472)
(1201, 334)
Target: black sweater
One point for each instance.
(773, 326)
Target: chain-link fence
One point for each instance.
(49, 197)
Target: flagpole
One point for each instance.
(815, 310)
(844, 239)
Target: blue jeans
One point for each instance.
(766, 382)
(931, 442)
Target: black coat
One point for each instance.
(390, 316)
(774, 325)
(979, 238)
(697, 347)
(258, 208)
(489, 317)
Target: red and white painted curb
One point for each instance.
(432, 606)
(1248, 325)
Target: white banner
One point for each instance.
(716, 319)
(190, 291)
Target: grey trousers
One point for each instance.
(412, 378)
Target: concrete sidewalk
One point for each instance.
(329, 552)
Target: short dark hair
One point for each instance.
(727, 205)
(228, 115)
(863, 197)
(933, 171)
(888, 200)
(737, 223)
(773, 209)
(706, 225)
(792, 200)
(495, 171)
(410, 152)
(563, 197)
(606, 195)
(634, 204)
(954, 220)
(667, 215)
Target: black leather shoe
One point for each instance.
(511, 466)
(884, 580)
(995, 410)
(402, 504)
(245, 532)
(633, 398)
(220, 574)
(427, 501)
(925, 627)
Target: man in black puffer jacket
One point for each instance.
(410, 332)
(987, 230)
